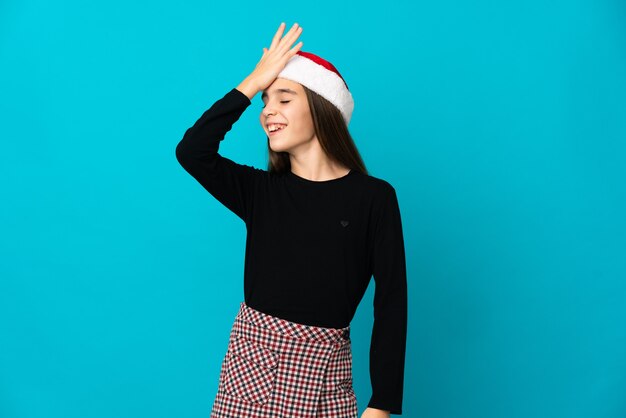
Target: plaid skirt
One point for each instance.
(282, 369)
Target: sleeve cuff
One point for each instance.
(241, 96)
(392, 409)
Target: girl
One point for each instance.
(318, 227)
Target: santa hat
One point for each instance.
(323, 78)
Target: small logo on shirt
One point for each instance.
(344, 223)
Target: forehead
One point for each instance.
(281, 86)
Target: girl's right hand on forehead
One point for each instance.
(275, 58)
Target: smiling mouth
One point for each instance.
(277, 131)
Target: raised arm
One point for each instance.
(231, 183)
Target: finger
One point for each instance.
(292, 35)
(277, 35)
(289, 39)
(297, 47)
(294, 50)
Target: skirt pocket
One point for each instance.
(251, 371)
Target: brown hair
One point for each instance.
(332, 133)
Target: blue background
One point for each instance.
(502, 126)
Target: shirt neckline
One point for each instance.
(307, 181)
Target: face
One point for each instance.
(285, 104)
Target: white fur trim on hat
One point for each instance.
(321, 80)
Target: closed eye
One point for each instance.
(283, 101)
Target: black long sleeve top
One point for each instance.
(312, 246)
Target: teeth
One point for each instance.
(275, 127)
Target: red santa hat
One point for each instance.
(323, 78)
